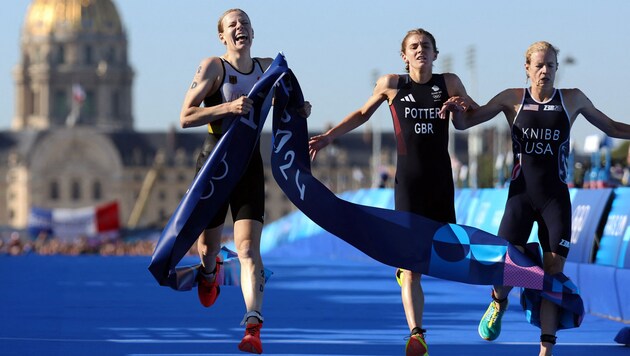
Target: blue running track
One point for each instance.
(89, 305)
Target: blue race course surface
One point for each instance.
(91, 305)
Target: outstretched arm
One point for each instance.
(463, 118)
(354, 119)
(600, 120)
(458, 99)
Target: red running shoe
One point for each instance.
(207, 291)
(416, 346)
(251, 341)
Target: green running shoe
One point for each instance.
(490, 325)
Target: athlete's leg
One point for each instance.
(412, 298)
(209, 246)
(209, 242)
(553, 264)
(554, 235)
(247, 235)
(490, 325)
(501, 293)
(413, 303)
(516, 225)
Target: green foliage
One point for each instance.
(486, 177)
(620, 153)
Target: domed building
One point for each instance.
(72, 142)
(73, 44)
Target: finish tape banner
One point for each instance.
(401, 239)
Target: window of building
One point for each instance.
(75, 190)
(163, 215)
(97, 190)
(61, 55)
(111, 55)
(53, 190)
(88, 54)
(30, 102)
(89, 106)
(116, 104)
(60, 105)
(36, 105)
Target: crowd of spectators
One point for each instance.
(43, 244)
(20, 243)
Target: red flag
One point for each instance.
(107, 217)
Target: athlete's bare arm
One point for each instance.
(385, 89)
(578, 103)
(206, 82)
(458, 100)
(506, 102)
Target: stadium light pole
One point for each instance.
(376, 142)
(447, 67)
(474, 141)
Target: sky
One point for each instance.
(337, 48)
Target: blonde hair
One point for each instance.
(220, 24)
(540, 46)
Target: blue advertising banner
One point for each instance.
(40, 221)
(588, 209)
(624, 254)
(615, 231)
(464, 197)
(486, 209)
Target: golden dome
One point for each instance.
(45, 17)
